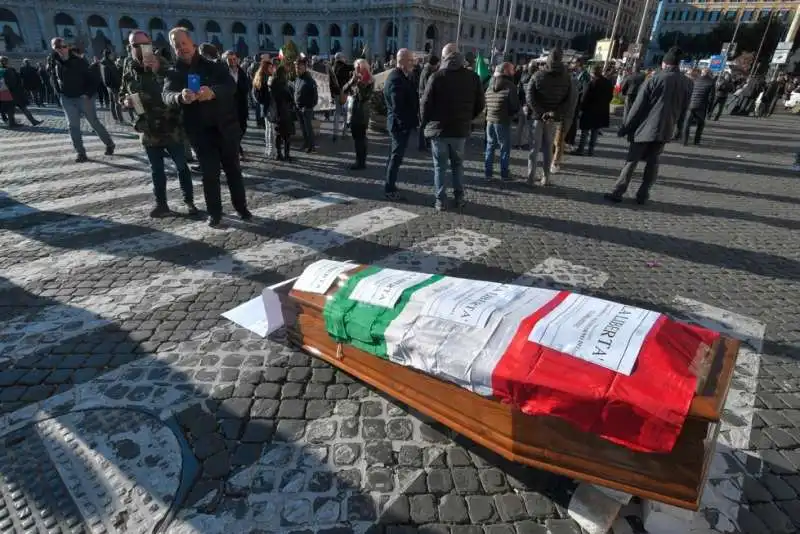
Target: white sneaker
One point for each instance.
(555, 169)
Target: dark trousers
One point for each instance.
(647, 152)
(307, 127)
(220, 150)
(698, 117)
(114, 104)
(359, 133)
(7, 110)
(717, 108)
(155, 154)
(399, 142)
(573, 129)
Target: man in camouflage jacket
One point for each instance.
(159, 126)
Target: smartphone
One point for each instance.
(193, 83)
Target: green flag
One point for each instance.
(480, 68)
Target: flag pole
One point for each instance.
(508, 26)
(460, 12)
(494, 33)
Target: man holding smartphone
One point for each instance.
(204, 91)
(159, 126)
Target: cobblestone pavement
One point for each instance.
(128, 404)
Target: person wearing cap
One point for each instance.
(660, 105)
(306, 97)
(502, 103)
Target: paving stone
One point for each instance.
(264, 408)
(481, 508)
(317, 409)
(423, 508)
(380, 479)
(346, 453)
(217, 465)
(499, 529)
(258, 431)
(433, 528)
(465, 479)
(440, 481)
(234, 408)
(772, 516)
(378, 453)
(510, 507)
(320, 481)
(778, 487)
(399, 429)
(267, 390)
(562, 526)
(320, 431)
(529, 527)
(537, 504)
(208, 445)
(247, 453)
(466, 529)
(290, 430)
(493, 480)
(453, 509)
(373, 429)
(396, 511)
(292, 390)
(292, 409)
(361, 508)
(336, 392)
(410, 456)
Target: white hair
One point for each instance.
(176, 30)
(361, 63)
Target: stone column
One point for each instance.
(252, 36)
(412, 34)
(401, 32)
(377, 39)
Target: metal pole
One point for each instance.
(613, 34)
(736, 29)
(640, 33)
(508, 26)
(460, 12)
(494, 33)
(792, 32)
(760, 46)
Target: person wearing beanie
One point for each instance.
(660, 105)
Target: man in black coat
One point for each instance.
(306, 97)
(724, 88)
(661, 103)
(210, 120)
(453, 99)
(699, 106)
(242, 95)
(402, 111)
(630, 87)
(431, 66)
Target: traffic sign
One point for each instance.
(717, 64)
(781, 54)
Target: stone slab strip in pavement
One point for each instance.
(141, 245)
(76, 316)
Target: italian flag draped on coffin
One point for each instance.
(621, 372)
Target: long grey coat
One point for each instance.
(661, 103)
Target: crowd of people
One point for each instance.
(197, 108)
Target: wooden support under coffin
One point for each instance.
(546, 443)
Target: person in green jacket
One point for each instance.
(159, 126)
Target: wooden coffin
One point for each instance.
(546, 443)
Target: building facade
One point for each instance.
(698, 17)
(316, 27)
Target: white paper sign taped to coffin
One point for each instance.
(385, 287)
(470, 302)
(320, 275)
(599, 331)
(261, 315)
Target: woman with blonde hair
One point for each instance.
(359, 89)
(261, 94)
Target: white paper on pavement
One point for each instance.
(385, 287)
(318, 277)
(251, 315)
(470, 302)
(598, 331)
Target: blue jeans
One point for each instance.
(74, 109)
(498, 135)
(448, 150)
(399, 142)
(178, 154)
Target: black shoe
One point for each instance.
(459, 203)
(161, 210)
(81, 158)
(37, 123)
(357, 167)
(612, 198)
(309, 150)
(214, 220)
(191, 209)
(245, 214)
(641, 200)
(395, 196)
(110, 150)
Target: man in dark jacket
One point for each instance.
(523, 130)
(159, 126)
(339, 74)
(453, 99)
(662, 101)
(502, 104)
(209, 118)
(31, 82)
(699, 105)
(630, 88)
(402, 114)
(306, 96)
(548, 98)
(242, 95)
(724, 88)
(112, 79)
(77, 89)
(431, 66)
